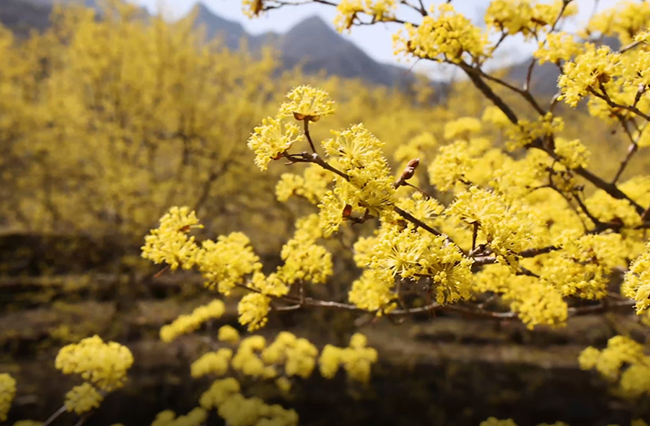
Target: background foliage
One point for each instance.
(105, 124)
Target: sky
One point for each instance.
(375, 40)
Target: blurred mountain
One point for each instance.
(22, 16)
(313, 44)
(544, 77)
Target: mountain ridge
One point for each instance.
(312, 44)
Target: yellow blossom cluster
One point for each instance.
(356, 359)
(557, 47)
(462, 128)
(304, 260)
(622, 363)
(348, 11)
(625, 20)
(637, 281)
(287, 356)
(527, 131)
(572, 153)
(226, 261)
(103, 366)
(83, 398)
(196, 417)
(282, 360)
(507, 228)
(187, 323)
(452, 165)
(588, 72)
(277, 134)
(584, 265)
(312, 185)
(247, 359)
(536, 302)
(253, 310)
(270, 140)
(169, 243)
(215, 363)
(228, 334)
(237, 410)
(7, 394)
(368, 188)
(529, 18)
(296, 356)
(443, 35)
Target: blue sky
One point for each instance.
(376, 39)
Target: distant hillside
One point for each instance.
(21, 16)
(313, 44)
(544, 77)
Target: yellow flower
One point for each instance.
(270, 140)
(588, 71)
(216, 363)
(188, 323)
(253, 310)
(83, 398)
(451, 165)
(622, 363)
(169, 243)
(558, 47)
(636, 284)
(462, 128)
(7, 394)
(228, 334)
(224, 263)
(307, 104)
(284, 384)
(447, 36)
(346, 12)
(493, 421)
(573, 154)
(219, 391)
(103, 364)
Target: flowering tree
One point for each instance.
(515, 226)
(530, 231)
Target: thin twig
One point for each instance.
(308, 136)
(631, 150)
(54, 416)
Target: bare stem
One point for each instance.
(54, 416)
(308, 136)
(631, 150)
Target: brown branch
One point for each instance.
(605, 97)
(316, 159)
(54, 416)
(601, 307)
(474, 75)
(611, 189)
(420, 9)
(631, 150)
(308, 136)
(417, 222)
